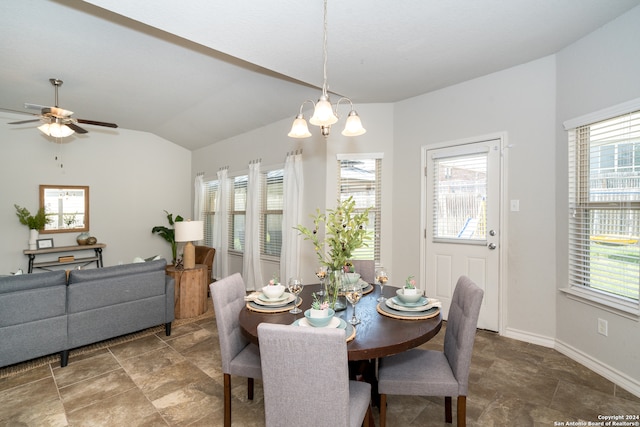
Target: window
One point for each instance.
(272, 204)
(238, 213)
(360, 177)
(604, 208)
(208, 210)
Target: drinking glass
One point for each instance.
(321, 273)
(295, 286)
(353, 294)
(381, 279)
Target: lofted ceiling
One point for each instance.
(199, 71)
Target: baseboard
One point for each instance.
(626, 382)
(620, 379)
(519, 335)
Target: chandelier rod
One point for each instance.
(324, 51)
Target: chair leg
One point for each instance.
(250, 388)
(462, 411)
(448, 416)
(368, 418)
(383, 410)
(227, 400)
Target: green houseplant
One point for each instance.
(344, 233)
(169, 234)
(34, 222)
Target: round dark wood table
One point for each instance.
(376, 335)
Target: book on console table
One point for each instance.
(66, 258)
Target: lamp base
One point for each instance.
(189, 256)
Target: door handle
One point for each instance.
(492, 246)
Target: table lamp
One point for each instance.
(189, 231)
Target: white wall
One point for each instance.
(521, 102)
(132, 176)
(599, 71)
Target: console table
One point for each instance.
(32, 253)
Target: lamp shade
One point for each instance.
(353, 127)
(56, 130)
(189, 231)
(323, 113)
(299, 129)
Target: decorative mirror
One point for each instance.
(67, 206)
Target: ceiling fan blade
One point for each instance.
(18, 111)
(34, 106)
(93, 122)
(76, 128)
(23, 121)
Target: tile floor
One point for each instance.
(176, 381)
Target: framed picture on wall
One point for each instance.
(44, 243)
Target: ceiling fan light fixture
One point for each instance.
(353, 127)
(56, 130)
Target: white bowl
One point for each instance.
(350, 278)
(273, 291)
(319, 322)
(408, 298)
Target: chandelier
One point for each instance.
(324, 114)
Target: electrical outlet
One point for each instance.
(603, 327)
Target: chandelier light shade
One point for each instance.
(189, 231)
(325, 114)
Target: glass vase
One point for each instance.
(337, 300)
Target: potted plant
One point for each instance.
(344, 233)
(34, 222)
(169, 234)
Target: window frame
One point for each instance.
(581, 205)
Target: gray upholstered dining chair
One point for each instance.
(305, 377)
(366, 269)
(239, 356)
(435, 373)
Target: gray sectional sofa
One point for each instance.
(46, 313)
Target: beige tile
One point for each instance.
(137, 347)
(25, 377)
(95, 389)
(89, 367)
(22, 398)
(130, 408)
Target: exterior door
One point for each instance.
(462, 219)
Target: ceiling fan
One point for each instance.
(58, 122)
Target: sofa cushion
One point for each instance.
(32, 297)
(102, 287)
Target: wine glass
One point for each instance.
(381, 278)
(295, 286)
(321, 273)
(353, 294)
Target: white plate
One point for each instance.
(420, 303)
(391, 304)
(289, 298)
(263, 297)
(335, 322)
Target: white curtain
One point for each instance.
(220, 227)
(291, 216)
(251, 270)
(198, 199)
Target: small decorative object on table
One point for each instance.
(92, 241)
(409, 293)
(34, 222)
(274, 289)
(83, 238)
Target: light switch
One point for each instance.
(515, 205)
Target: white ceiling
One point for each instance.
(199, 71)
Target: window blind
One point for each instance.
(272, 206)
(361, 177)
(208, 210)
(604, 206)
(238, 204)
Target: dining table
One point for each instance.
(377, 335)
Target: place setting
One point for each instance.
(321, 316)
(409, 304)
(273, 298)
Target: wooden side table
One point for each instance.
(190, 301)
